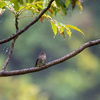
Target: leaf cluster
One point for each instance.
(17, 7)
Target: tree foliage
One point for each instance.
(36, 6)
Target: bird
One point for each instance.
(41, 59)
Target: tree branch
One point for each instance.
(27, 26)
(57, 61)
(12, 46)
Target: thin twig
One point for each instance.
(12, 45)
(55, 62)
(27, 26)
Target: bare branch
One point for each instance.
(27, 26)
(12, 46)
(57, 61)
(9, 55)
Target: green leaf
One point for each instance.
(2, 4)
(54, 27)
(75, 28)
(21, 1)
(67, 3)
(16, 6)
(30, 1)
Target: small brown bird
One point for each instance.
(41, 59)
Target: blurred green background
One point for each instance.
(75, 79)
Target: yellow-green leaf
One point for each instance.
(75, 28)
(61, 29)
(68, 31)
(67, 3)
(47, 16)
(2, 4)
(54, 27)
(40, 6)
(79, 5)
